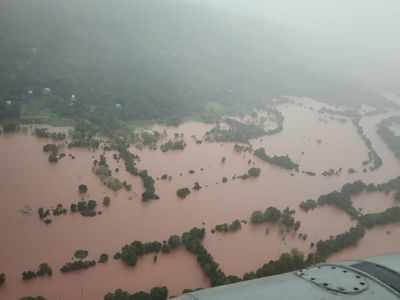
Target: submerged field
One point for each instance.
(325, 145)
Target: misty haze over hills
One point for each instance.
(172, 57)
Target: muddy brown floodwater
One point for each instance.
(28, 180)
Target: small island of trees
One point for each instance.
(148, 183)
(45, 214)
(197, 186)
(103, 258)
(81, 254)
(85, 208)
(183, 193)
(232, 227)
(82, 188)
(251, 173)
(309, 204)
(237, 132)
(43, 270)
(52, 149)
(242, 148)
(106, 201)
(282, 161)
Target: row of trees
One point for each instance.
(287, 262)
(77, 265)
(331, 172)
(33, 298)
(44, 133)
(130, 253)
(389, 216)
(372, 154)
(281, 161)
(10, 127)
(284, 218)
(388, 136)
(342, 199)
(173, 146)
(149, 186)
(130, 165)
(242, 148)
(192, 241)
(341, 241)
(309, 173)
(156, 293)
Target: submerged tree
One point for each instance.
(254, 172)
(82, 188)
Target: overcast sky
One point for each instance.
(336, 17)
(365, 33)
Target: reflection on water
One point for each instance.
(28, 180)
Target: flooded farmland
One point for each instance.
(316, 141)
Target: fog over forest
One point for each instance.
(173, 57)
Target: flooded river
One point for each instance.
(28, 181)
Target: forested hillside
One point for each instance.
(157, 59)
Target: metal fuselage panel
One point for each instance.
(293, 286)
